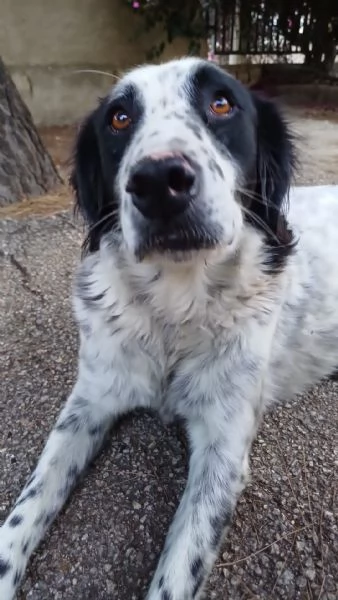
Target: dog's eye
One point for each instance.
(120, 120)
(221, 106)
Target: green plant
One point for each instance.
(177, 18)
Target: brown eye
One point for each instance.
(120, 120)
(220, 106)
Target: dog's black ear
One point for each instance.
(275, 161)
(275, 165)
(87, 181)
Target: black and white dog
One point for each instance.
(198, 296)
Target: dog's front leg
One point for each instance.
(221, 409)
(111, 381)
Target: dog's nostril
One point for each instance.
(180, 179)
(138, 184)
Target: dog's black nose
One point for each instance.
(162, 187)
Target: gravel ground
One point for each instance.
(283, 543)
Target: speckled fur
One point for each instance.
(211, 336)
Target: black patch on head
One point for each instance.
(196, 566)
(15, 520)
(235, 134)
(97, 156)
(257, 137)
(5, 566)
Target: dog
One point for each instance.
(207, 291)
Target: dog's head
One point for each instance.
(178, 158)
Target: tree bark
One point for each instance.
(26, 169)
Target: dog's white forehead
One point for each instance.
(155, 82)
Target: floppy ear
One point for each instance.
(87, 180)
(275, 166)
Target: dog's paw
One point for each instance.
(8, 576)
(12, 568)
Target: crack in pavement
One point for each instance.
(25, 275)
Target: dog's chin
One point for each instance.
(180, 246)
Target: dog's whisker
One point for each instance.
(97, 72)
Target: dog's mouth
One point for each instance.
(177, 242)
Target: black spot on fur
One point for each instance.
(85, 328)
(215, 168)
(161, 582)
(72, 472)
(71, 422)
(31, 493)
(38, 520)
(5, 566)
(197, 585)
(166, 595)
(84, 289)
(95, 430)
(194, 128)
(92, 301)
(49, 518)
(25, 548)
(31, 479)
(15, 520)
(17, 577)
(218, 524)
(196, 567)
(334, 375)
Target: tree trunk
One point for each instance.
(26, 169)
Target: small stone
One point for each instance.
(302, 582)
(310, 574)
(287, 577)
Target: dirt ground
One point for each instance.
(104, 546)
